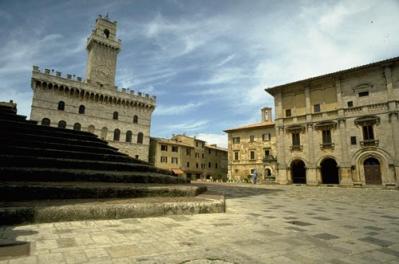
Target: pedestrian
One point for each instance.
(254, 176)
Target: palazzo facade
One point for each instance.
(120, 116)
(340, 128)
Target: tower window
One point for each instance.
(135, 119)
(117, 134)
(62, 124)
(353, 140)
(81, 109)
(129, 136)
(350, 103)
(61, 105)
(140, 138)
(287, 112)
(77, 127)
(362, 94)
(106, 33)
(115, 116)
(45, 122)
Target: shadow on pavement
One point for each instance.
(238, 191)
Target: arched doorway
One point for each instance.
(372, 171)
(329, 171)
(298, 171)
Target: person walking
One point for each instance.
(254, 176)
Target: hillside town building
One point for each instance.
(340, 128)
(189, 157)
(120, 116)
(253, 147)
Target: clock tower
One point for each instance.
(103, 48)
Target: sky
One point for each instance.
(207, 61)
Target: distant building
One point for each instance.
(95, 104)
(190, 157)
(340, 128)
(253, 147)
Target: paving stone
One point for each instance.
(376, 241)
(374, 228)
(326, 236)
(299, 223)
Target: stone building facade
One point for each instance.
(253, 147)
(95, 104)
(189, 157)
(340, 128)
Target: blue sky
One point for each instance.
(207, 62)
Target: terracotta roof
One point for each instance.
(171, 142)
(250, 126)
(215, 147)
(357, 68)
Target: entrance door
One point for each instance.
(298, 171)
(329, 171)
(372, 171)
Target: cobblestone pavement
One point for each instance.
(263, 224)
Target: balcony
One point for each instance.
(327, 145)
(269, 158)
(369, 143)
(296, 148)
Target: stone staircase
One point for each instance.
(46, 169)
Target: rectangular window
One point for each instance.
(188, 151)
(196, 165)
(326, 136)
(203, 156)
(287, 112)
(252, 155)
(316, 108)
(209, 165)
(368, 133)
(296, 140)
(251, 138)
(216, 165)
(270, 136)
(236, 140)
(164, 148)
(164, 159)
(353, 141)
(236, 153)
(175, 160)
(363, 94)
(175, 149)
(267, 152)
(196, 154)
(188, 165)
(209, 151)
(350, 104)
(196, 143)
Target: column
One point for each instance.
(282, 177)
(394, 121)
(311, 172)
(345, 165)
(308, 108)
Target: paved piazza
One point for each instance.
(263, 224)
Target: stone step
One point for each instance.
(13, 213)
(26, 191)
(62, 163)
(36, 143)
(67, 154)
(74, 175)
(16, 136)
(20, 125)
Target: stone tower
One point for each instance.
(103, 48)
(118, 115)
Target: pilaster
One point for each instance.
(311, 176)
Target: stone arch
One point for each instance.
(329, 171)
(298, 171)
(384, 159)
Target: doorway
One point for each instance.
(298, 171)
(329, 171)
(372, 171)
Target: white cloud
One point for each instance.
(181, 128)
(162, 110)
